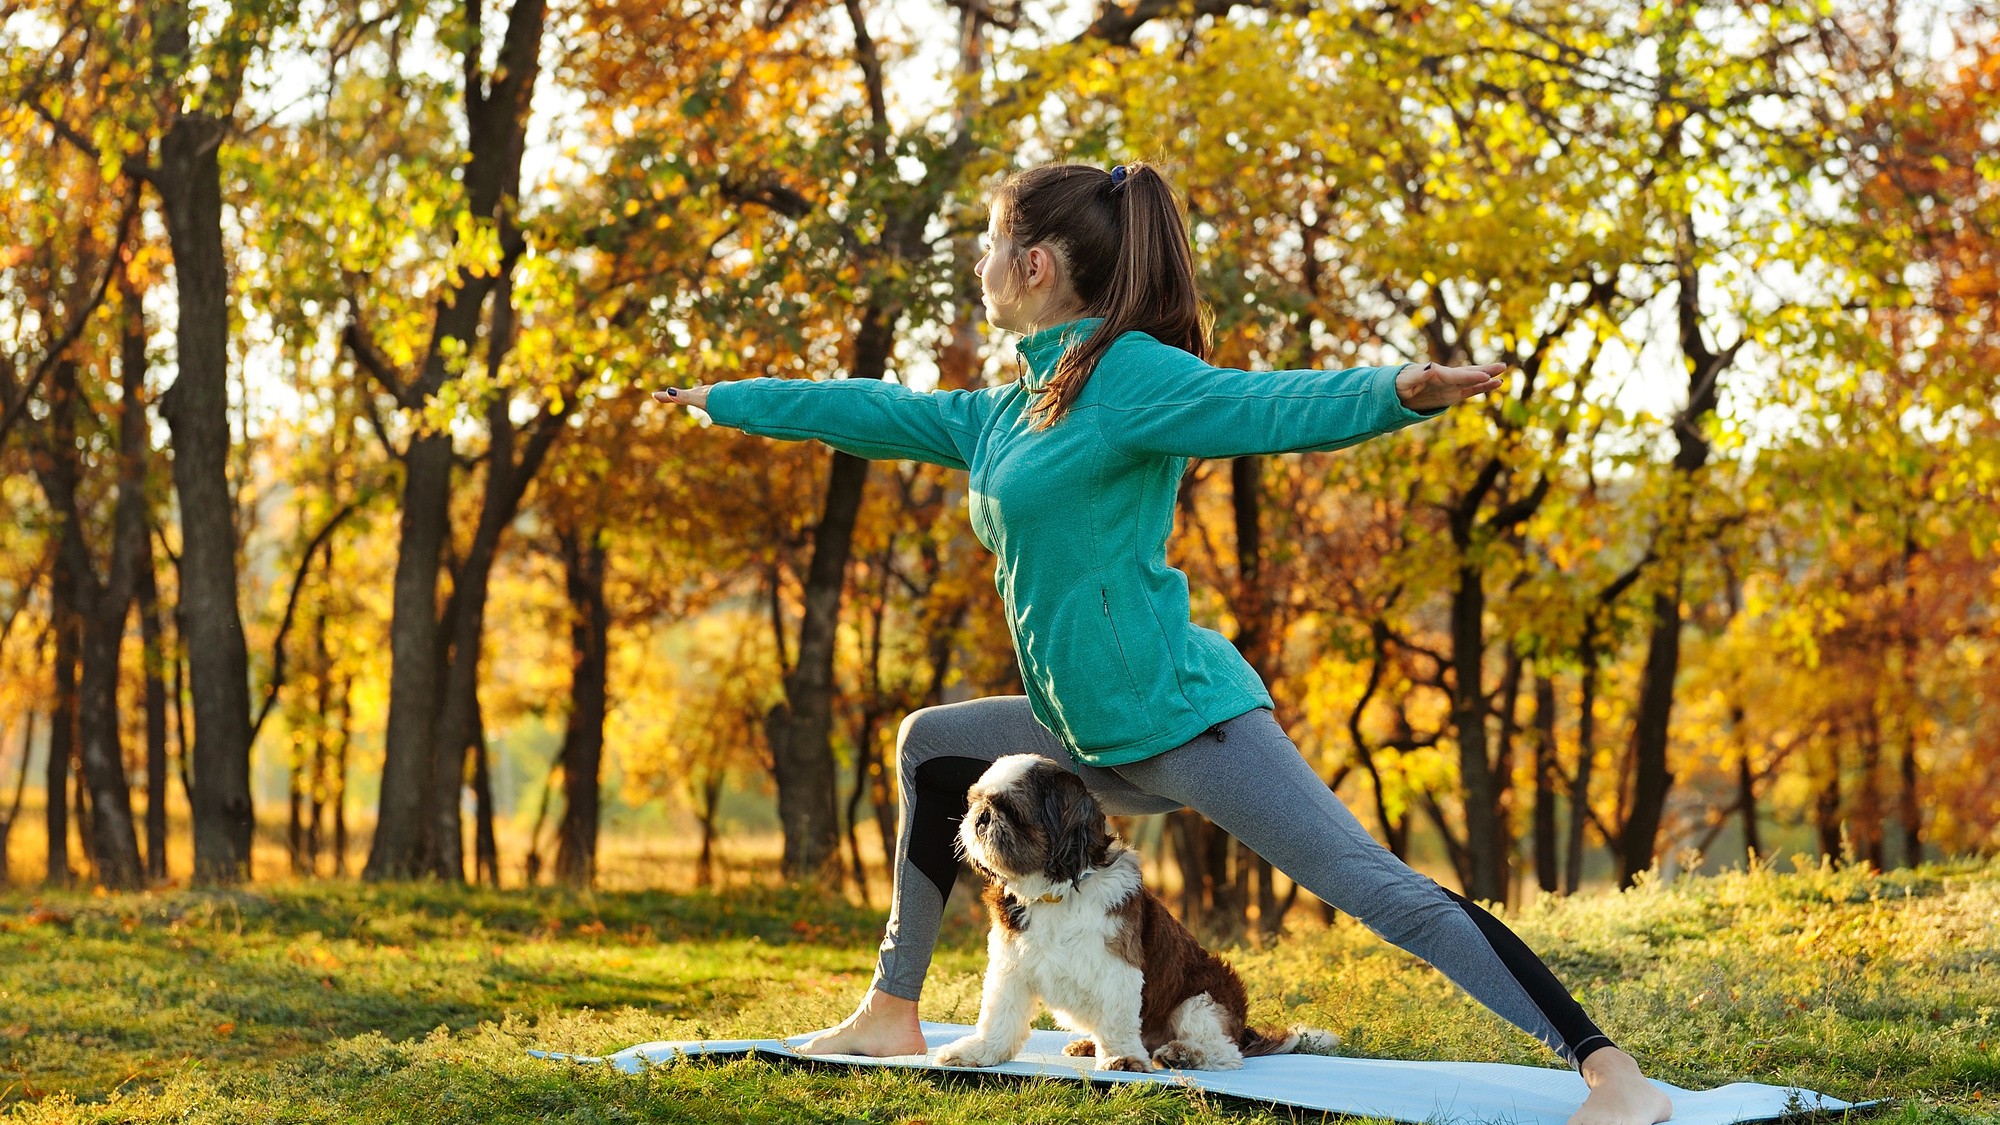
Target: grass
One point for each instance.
(334, 1002)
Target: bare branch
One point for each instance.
(1116, 25)
(18, 405)
(373, 362)
(277, 680)
(137, 169)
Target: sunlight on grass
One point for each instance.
(339, 1002)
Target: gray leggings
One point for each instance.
(1247, 777)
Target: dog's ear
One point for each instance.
(1074, 825)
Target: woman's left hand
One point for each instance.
(696, 395)
(1430, 386)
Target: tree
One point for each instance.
(423, 756)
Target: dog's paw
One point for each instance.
(1314, 1041)
(1124, 1062)
(1084, 1046)
(970, 1051)
(1178, 1054)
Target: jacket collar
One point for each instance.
(1043, 349)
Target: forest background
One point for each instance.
(337, 517)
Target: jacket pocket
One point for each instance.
(1111, 626)
(1088, 679)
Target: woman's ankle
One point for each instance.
(887, 1007)
(1607, 1061)
(882, 1024)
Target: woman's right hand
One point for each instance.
(696, 395)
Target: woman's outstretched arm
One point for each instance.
(866, 417)
(1171, 404)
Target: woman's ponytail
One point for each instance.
(1126, 247)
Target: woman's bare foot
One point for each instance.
(883, 1025)
(1619, 1094)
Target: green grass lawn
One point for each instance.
(337, 1002)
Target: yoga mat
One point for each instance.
(1459, 1092)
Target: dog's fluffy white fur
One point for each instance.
(1074, 927)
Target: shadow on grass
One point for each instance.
(427, 911)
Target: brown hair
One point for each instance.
(1125, 246)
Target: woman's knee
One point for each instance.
(913, 736)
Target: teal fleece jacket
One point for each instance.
(1079, 514)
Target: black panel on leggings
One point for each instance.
(1542, 987)
(934, 816)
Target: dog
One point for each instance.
(1074, 927)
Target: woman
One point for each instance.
(1074, 468)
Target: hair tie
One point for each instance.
(1118, 175)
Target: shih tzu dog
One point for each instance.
(1074, 928)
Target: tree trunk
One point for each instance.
(398, 850)
(1503, 771)
(62, 724)
(1184, 827)
(507, 480)
(317, 785)
(1911, 812)
(408, 841)
(1868, 804)
(710, 809)
(96, 611)
(1547, 870)
(1746, 799)
(1256, 636)
(1640, 833)
(337, 796)
(1586, 753)
(114, 846)
(1651, 781)
(1270, 916)
(150, 635)
(1226, 909)
(1210, 903)
(864, 761)
(485, 847)
(196, 408)
(1395, 830)
(14, 806)
(1908, 811)
(800, 728)
(1487, 864)
(583, 743)
(1257, 639)
(1826, 802)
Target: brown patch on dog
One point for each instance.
(1084, 1047)
(1074, 833)
(1128, 932)
(1176, 969)
(1006, 911)
(1126, 1062)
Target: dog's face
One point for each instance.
(1027, 816)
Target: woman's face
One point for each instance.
(1024, 304)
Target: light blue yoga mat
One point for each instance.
(1458, 1092)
